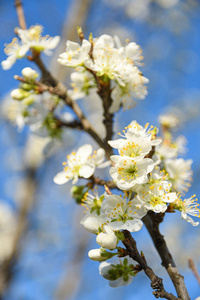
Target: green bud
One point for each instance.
(90, 38)
(26, 86)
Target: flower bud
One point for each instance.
(96, 254)
(19, 94)
(107, 240)
(29, 73)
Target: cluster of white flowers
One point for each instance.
(109, 60)
(29, 39)
(178, 170)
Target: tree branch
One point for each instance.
(98, 181)
(156, 282)
(152, 221)
(104, 92)
(73, 124)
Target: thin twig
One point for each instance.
(20, 14)
(194, 269)
(156, 282)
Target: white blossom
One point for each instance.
(169, 120)
(33, 38)
(82, 83)
(170, 149)
(134, 89)
(180, 173)
(129, 171)
(188, 207)
(80, 164)
(133, 143)
(120, 214)
(156, 196)
(15, 50)
(92, 222)
(75, 54)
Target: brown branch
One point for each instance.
(73, 124)
(104, 92)
(152, 221)
(20, 14)
(151, 152)
(98, 181)
(194, 269)
(47, 78)
(156, 282)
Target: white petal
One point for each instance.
(7, 64)
(23, 50)
(91, 223)
(53, 42)
(116, 143)
(99, 156)
(86, 171)
(84, 152)
(61, 178)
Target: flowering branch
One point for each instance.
(156, 282)
(152, 221)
